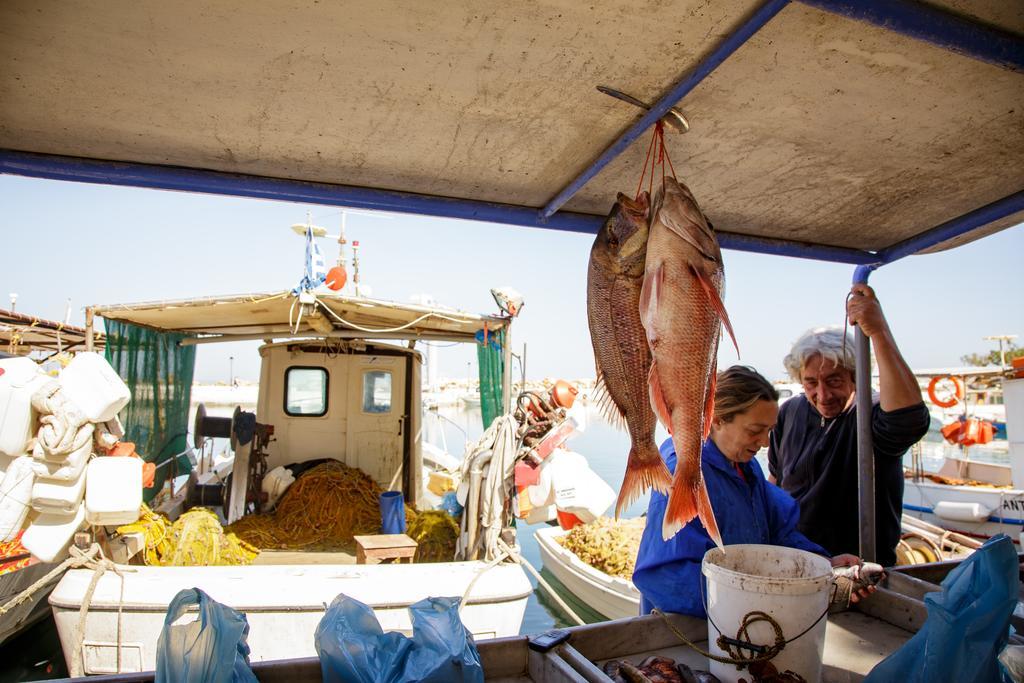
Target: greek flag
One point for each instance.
(316, 270)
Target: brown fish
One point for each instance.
(682, 312)
(621, 352)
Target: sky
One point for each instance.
(96, 244)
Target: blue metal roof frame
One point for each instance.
(938, 27)
(281, 189)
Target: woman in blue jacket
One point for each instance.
(748, 509)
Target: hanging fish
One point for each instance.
(621, 352)
(682, 313)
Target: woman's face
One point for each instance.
(746, 433)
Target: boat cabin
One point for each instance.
(337, 385)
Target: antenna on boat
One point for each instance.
(342, 260)
(355, 266)
(1001, 338)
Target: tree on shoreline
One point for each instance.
(992, 357)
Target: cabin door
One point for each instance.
(376, 417)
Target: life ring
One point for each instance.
(956, 397)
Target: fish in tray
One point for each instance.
(655, 669)
(682, 312)
(623, 358)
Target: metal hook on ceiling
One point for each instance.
(675, 119)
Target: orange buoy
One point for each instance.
(956, 396)
(564, 394)
(976, 432)
(952, 431)
(969, 432)
(336, 278)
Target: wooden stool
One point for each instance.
(385, 547)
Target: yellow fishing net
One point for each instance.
(607, 544)
(196, 539)
(435, 532)
(322, 510)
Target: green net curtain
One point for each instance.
(490, 361)
(159, 374)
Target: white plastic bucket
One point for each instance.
(792, 586)
(91, 384)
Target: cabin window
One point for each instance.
(305, 392)
(785, 393)
(377, 392)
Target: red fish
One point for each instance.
(682, 313)
(623, 357)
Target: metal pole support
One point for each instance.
(506, 372)
(865, 448)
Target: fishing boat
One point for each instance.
(331, 388)
(25, 581)
(968, 496)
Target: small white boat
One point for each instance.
(610, 596)
(283, 604)
(977, 499)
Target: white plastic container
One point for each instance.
(113, 490)
(51, 533)
(68, 470)
(578, 489)
(19, 377)
(58, 497)
(276, 483)
(50, 435)
(15, 496)
(91, 384)
(792, 586)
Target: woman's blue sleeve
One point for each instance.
(668, 572)
(783, 516)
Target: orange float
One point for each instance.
(336, 278)
(956, 397)
(969, 432)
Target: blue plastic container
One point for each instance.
(392, 512)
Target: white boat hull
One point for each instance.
(609, 596)
(283, 604)
(920, 499)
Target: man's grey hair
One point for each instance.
(826, 342)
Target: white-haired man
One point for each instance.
(813, 449)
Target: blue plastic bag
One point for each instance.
(450, 504)
(211, 649)
(354, 649)
(967, 626)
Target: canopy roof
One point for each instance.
(820, 129)
(21, 334)
(278, 315)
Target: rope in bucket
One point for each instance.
(734, 646)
